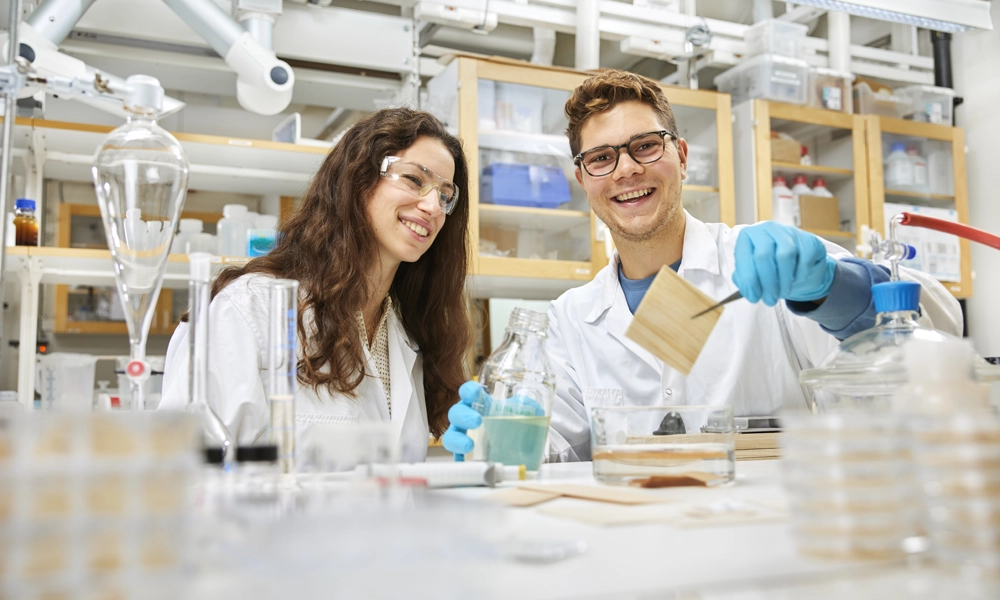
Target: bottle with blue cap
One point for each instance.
(899, 174)
(25, 223)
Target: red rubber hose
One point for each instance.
(962, 231)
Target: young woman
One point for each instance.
(379, 248)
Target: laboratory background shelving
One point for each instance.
(947, 190)
(703, 118)
(836, 146)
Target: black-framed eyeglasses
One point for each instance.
(644, 148)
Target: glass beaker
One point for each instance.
(140, 175)
(520, 385)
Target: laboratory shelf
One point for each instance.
(829, 173)
(217, 163)
(920, 195)
(697, 193)
(832, 234)
(519, 141)
(553, 220)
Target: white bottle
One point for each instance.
(784, 206)
(801, 186)
(188, 227)
(819, 188)
(232, 231)
(920, 179)
(202, 242)
(898, 169)
(940, 374)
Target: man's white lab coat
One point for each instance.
(237, 380)
(751, 360)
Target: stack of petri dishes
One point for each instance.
(957, 464)
(850, 484)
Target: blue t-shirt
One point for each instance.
(635, 289)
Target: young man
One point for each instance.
(802, 294)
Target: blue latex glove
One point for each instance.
(778, 262)
(464, 417)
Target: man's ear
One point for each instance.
(579, 176)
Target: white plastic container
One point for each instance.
(898, 169)
(767, 76)
(700, 165)
(774, 36)
(232, 230)
(867, 102)
(65, 380)
(928, 104)
(801, 186)
(819, 188)
(188, 228)
(830, 89)
(202, 242)
(519, 107)
(920, 181)
(784, 206)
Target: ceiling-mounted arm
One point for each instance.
(39, 37)
(264, 83)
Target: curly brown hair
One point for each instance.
(329, 246)
(607, 89)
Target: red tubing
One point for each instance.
(962, 231)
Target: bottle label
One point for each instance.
(831, 98)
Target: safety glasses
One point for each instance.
(420, 181)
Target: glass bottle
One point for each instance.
(520, 386)
(140, 175)
(25, 223)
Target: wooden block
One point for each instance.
(598, 493)
(521, 497)
(757, 441)
(663, 323)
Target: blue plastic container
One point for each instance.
(512, 184)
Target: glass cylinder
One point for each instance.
(215, 434)
(140, 175)
(520, 385)
(282, 368)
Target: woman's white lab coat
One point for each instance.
(238, 356)
(751, 360)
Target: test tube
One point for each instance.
(215, 432)
(283, 368)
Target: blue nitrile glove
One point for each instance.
(778, 262)
(463, 418)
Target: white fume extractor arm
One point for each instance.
(39, 37)
(264, 82)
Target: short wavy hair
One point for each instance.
(607, 89)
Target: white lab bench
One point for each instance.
(744, 561)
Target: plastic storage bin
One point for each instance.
(700, 165)
(519, 107)
(513, 184)
(830, 89)
(767, 76)
(928, 104)
(774, 36)
(867, 102)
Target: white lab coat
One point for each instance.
(751, 360)
(237, 392)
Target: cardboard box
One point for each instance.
(819, 213)
(783, 150)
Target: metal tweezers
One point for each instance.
(734, 296)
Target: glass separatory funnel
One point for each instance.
(140, 173)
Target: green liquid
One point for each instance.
(515, 440)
